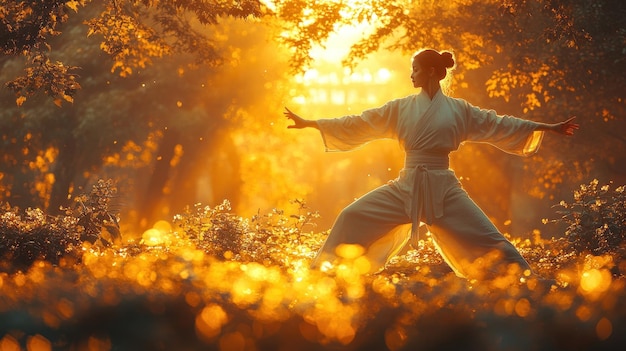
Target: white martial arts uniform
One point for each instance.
(426, 190)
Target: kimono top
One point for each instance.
(428, 130)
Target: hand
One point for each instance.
(298, 121)
(566, 127)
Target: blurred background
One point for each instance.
(172, 132)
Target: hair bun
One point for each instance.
(447, 59)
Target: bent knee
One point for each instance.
(350, 212)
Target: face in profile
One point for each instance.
(419, 76)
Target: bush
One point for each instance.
(95, 216)
(272, 238)
(596, 220)
(31, 235)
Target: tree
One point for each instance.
(155, 129)
(133, 33)
(112, 111)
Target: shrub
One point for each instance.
(30, 235)
(273, 238)
(94, 213)
(215, 230)
(596, 219)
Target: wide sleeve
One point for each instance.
(350, 132)
(510, 134)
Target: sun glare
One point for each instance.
(338, 44)
(329, 82)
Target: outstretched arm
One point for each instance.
(567, 127)
(299, 122)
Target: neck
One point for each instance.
(432, 88)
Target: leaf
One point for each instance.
(73, 5)
(58, 102)
(20, 100)
(68, 98)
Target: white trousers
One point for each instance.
(465, 237)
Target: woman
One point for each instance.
(428, 125)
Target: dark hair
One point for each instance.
(440, 61)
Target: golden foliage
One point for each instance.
(206, 300)
(54, 78)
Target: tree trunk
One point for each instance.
(64, 172)
(226, 182)
(223, 162)
(153, 193)
(185, 182)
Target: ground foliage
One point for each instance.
(213, 280)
